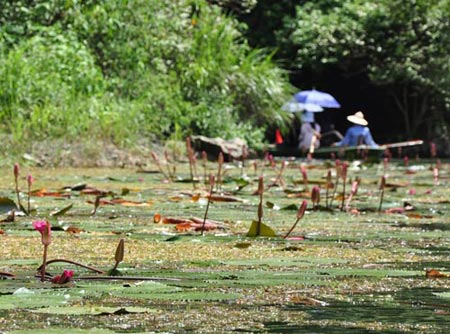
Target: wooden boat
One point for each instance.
(362, 152)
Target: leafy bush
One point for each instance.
(122, 70)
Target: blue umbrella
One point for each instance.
(317, 97)
(294, 106)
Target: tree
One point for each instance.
(401, 45)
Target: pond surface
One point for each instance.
(353, 269)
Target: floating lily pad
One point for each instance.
(94, 310)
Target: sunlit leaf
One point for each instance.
(265, 231)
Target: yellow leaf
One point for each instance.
(265, 231)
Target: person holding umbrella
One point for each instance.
(309, 137)
(359, 133)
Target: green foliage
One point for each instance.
(123, 70)
(401, 45)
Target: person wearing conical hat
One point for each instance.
(359, 133)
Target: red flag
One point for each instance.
(278, 137)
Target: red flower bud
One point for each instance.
(16, 170)
(30, 180)
(302, 209)
(383, 182)
(315, 195)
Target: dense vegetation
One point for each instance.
(124, 70)
(395, 47)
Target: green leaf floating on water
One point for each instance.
(24, 298)
(442, 294)
(153, 290)
(64, 330)
(7, 204)
(90, 310)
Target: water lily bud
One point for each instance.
(385, 162)
(16, 170)
(304, 173)
(383, 182)
(344, 169)
(155, 156)
(436, 175)
(30, 180)
(260, 185)
(220, 158)
(188, 144)
(120, 250)
(406, 160)
(329, 181)
(255, 166)
(433, 151)
(44, 228)
(315, 195)
(302, 209)
(355, 185)
(166, 155)
(244, 152)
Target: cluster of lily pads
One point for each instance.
(258, 227)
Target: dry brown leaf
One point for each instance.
(44, 193)
(433, 273)
(308, 301)
(74, 230)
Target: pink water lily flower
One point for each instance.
(44, 228)
(66, 277)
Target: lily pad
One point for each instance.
(90, 310)
(7, 204)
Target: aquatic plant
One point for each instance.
(260, 205)
(337, 164)
(30, 181)
(436, 176)
(300, 213)
(279, 178)
(344, 168)
(329, 184)
(204, 165)
(190, 155)
(44, 228)
(118, 257)
(66, 277)
(304, 176)
(16, 171)
(381, 188)
(353, 192)
(159, 166)
(220, 161)
(315, 197)
(211, 189)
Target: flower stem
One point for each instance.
(44, 263)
